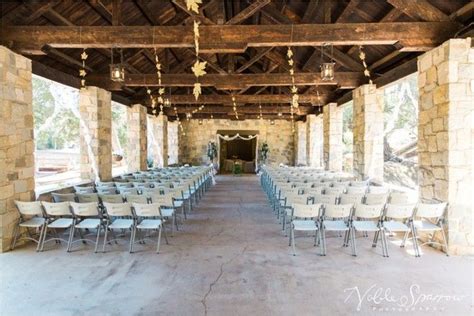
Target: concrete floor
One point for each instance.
(231, 258)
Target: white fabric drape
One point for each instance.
(227, 137)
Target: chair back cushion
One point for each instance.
(430, 210)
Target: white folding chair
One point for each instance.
(337, 218)
(356, 190)
(63, 197)
(326, 198)
(399, 198)
(136, 198)
(83, 190)
(305, 218)
(375, 199)
(87, 197)
(351, 198)
(86, 216)
(399, 218)
(106, 190)
(334, 190)
(103, 184)
(126, 191)
(121, 185)
(367, 218)
(430, 218)
(58, 216)
(167, 208)
(287, 207)
(359, 184)
(31, 216)
(148, 217)
(111, 198)
(119, 216)
(378, 190)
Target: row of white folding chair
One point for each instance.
(86, 216)
(405, 218)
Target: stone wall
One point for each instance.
(193, 145)
(173, 143)
(16, 140)
(96, 134)
(137, 149)
(300, 144)
(446, 136)
(368, 132)
(158, 138)
(332, 119)
(314, 141)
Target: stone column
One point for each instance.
(16, 140)
(173, 142)
(137, 150)
(300, 143)
(314, 140)
(446, 136)
(332, 117)
(368, 132)
(159, 140)
(96, 134)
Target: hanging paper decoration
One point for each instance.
(193, 5)
(82, 71)
(260, 109)
(366, 69)
(179, 122)
(294, 89)
(234, 105)
(199, 68)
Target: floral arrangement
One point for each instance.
(264, 151)
(211, 150)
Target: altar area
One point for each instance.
(237, 151)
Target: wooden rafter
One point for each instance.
(254, 7)
(230, 81)
(419, 10)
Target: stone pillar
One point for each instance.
(137, 150)
(159, 140)
(173, 143)
(16, 140)
(96, 134)
(332, 117)
(300, 144)
(368, 118)
(314, 140)
(446, 136)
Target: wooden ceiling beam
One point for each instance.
(348, 10)
(243, 15)
(54, 52)
(310, 11)
(228, 38)
(239, 98)
(38, 9)
(419, 10)
(116, 12)
(147, 13)
(254, 59)
(100, 8)
(230, 81)
(182, 5)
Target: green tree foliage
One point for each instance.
(55, 110)
(119, 128)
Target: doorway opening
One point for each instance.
(237, 151)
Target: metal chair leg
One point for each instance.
(97, 238)
(105, 238)
(159, 240)
(15, 236)
(292, 233)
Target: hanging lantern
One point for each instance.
(117, 71)
(327, 68)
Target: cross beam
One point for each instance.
(412, 36)
(344, 80)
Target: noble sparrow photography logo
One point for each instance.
(379, 298)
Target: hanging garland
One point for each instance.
(161, 90)
(199, 68)
(362, 58)
(294, 89)
(260, 109)
(234, 105)
(82, 71)
(179, 122)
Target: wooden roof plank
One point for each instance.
(419, 10)
(253, 8)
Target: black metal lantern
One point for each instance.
(327, 68)
(117, 71)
